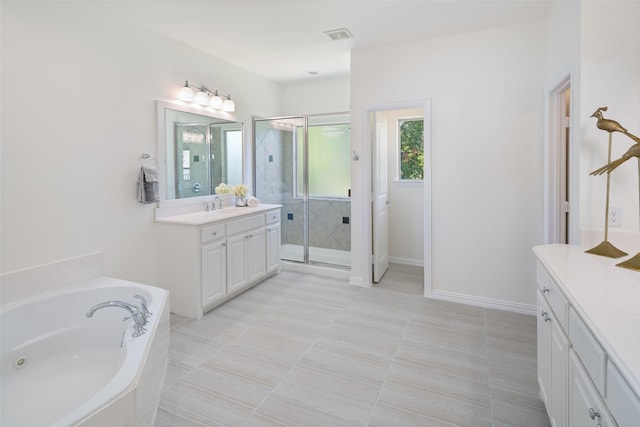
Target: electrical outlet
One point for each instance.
(615, 216)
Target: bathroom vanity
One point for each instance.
(207, 258)
(588, 338)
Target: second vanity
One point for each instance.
(207, 258)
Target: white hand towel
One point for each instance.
(253, 202)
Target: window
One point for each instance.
(411, 138)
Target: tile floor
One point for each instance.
(304, 350)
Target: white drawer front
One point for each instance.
(273, 217)
(211, 233)
(588, 349)
(623, 404)
(245, 224)
(551, 292)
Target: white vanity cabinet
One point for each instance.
(588, 339)
(207, 258)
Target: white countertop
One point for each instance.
(606, 297)
(203, 217)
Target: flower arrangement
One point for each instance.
(223, 188)
(240, 190)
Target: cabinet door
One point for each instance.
(256, 260)
(553, 350)
(544, 351)
(236, 262)
(214, 277)
(559, 374)
(273, 247)
(586, 409)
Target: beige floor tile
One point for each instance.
(280, 411)
(517, 414)
(303, 350)
(351, 397)
(270, 346)
(214, 397)
(164, 418)
(429, 408)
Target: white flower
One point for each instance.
(240, 190)
(223, 188)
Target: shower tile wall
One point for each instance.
(274, 184)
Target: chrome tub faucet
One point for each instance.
(138, 315)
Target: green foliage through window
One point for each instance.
(411, 149)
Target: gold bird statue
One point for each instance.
(634, 151)
(607, 124)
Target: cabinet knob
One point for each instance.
(545, 290)
(594, 414)
(545, 316)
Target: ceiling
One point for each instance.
(285, 40)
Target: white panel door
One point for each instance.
(380, 200)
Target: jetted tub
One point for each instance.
(61, 368)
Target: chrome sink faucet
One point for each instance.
(138, 315)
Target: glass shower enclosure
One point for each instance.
(304, 164)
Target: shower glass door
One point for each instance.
(329, 183)
(304, 164)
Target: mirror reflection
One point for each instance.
(201, 151)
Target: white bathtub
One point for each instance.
(60, 368)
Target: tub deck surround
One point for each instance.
(209, 257)
(83, 371)
(606, 297)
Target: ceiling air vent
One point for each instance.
(339, 34)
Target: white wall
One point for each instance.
(316, 96)
(486, 94)
(610, 73)
(78, 109)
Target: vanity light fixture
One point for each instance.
(206, 98)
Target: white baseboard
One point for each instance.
(484, 302)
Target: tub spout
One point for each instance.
(139, 318)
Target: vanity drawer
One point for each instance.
(245, 224)
(273, 217)
(211, 233)
(588, 349)
(623, 404)
(556, 299)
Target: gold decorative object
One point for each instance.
(606, 248)
(632, 263)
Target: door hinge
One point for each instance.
(566, 122)
(565, 206)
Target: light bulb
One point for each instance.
(215, 101)
(229, 105)
(186, 93)
(201, 98)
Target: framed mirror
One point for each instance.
(198, 150)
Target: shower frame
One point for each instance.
(305, 181)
